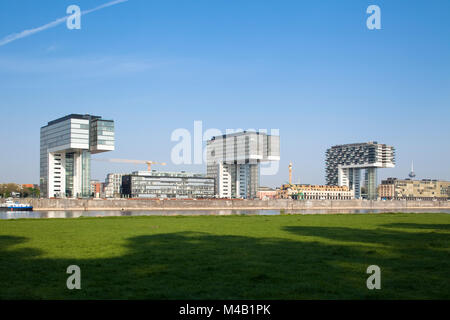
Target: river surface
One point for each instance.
(76, 214)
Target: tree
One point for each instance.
(7, 189)
(30, 192)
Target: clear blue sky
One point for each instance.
(308, 68)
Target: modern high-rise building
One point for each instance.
(66, 147)
(233, 160)
(344, 164)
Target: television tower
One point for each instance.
(412, 174)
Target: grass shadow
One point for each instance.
(198, 265)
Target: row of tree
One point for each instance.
(11, 189)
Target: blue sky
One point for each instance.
(308, 68)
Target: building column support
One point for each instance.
(371, 183)
(356, 182)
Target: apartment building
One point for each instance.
(407, 189)
(113, 185)
(345, 162)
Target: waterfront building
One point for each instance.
(155, 184)
(97, 188)
(315, 192)
(345, 162)
(113, 185)
(65, 153)
(407, 189)
(233, 160)
(266, 193)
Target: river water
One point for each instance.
(76, 214)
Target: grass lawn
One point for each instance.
(227, 257)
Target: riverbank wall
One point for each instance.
(229, 204)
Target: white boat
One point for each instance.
(10, 205)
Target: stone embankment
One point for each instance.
(236, 204)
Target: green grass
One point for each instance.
(227, 257)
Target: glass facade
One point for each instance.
(85, 173)
(102, 134)
(70, 170)
(370, 182)
(65, 153)
(233, 160)
(145, 184)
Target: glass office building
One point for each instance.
(154, 184)
(65, 153)
(233, 160)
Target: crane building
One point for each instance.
(233, 160)
(65, 153)
(345, 162)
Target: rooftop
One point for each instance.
(238, 134)
(358, 144)
(155, 173)
(73, 116)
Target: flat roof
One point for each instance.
(73, 116)
(223, 136)
(155, 173)
(359, 144)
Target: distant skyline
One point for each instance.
(311, 69)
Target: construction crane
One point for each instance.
(147, 162)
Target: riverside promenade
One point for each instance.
(230, 204)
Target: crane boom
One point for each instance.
(147, 162)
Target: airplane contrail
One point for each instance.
(29, 32)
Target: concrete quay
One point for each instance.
(228, 204)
